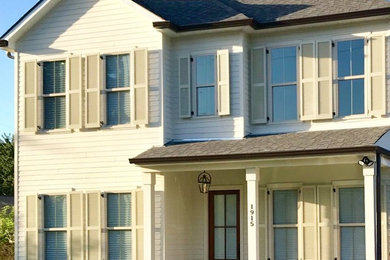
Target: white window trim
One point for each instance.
(270, 85)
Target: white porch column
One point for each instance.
(369, 173)
(252, 180)
(149, 219)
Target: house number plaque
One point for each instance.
(252, 214)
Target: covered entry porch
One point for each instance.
(306, 204)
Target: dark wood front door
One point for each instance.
(224, 225)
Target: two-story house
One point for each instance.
(202, 129)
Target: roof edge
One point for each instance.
(258, 26)
(262, 155)
(3, 43)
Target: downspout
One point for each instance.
(378, 207)
(9, 55)
(16, 153)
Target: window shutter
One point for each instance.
(308, 226)
(32, 227)
(75, 206)
(184, 87)
(74, 92)
(93, 226)
(307, 82)
(30, 96)
(223, 82)
(324, 80)
(140, 91)
(92, 91)
(377, 78)
(138, 225)
(258, 86)
(263, 236)
(325, 222)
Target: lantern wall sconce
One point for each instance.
(204, 182)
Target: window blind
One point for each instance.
(55, 211)
(118, 108)
(117, 71)
(55, 246)
(119, 245)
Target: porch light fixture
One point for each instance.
(366, 161)
(204, 182)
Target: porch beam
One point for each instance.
(149, 219)
(252, 180)
(369, 173)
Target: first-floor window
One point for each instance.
(54, 94)
(351, 218)
(119, 226)
(55, 227)
(205, 85)
(285, 224)
(118, 89)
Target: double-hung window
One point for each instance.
(119, 226)
(205, 90)
(54, 94)
(285, 224)
(351, 222)
(284, 83)
(118, 89)
(55, 227)
(350, 75)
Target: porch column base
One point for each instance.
(149, 219)
(369, 173)
(252, 180)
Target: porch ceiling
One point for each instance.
(310, 143)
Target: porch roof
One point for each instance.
(277, 145)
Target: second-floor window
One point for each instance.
(350, 75)
(205, 90)
(284, 83)
(118, 89)
(54, 97)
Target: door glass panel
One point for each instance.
(219, 210)
(231, 243)
(231, 210)
(219, 243)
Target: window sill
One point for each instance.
(56, 131)
(118, 127)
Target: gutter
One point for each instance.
(261, 26)
(262, 155)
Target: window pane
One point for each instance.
(119, 210)
(277, 66)
(124, 71)
(285, 206)
(344, 58)
(119, 245)
(117, 71)
(286, 243)
(290, 64)
(206, 101)
(60, 112)
(345, 98)
(284, 103)
(205, 70)
(231, 210)
(124, 107)
(283, 65)
(111, 71)
(59, 82)
(358, 96)
(55, 211)
(219, 210)
(231, 243)
(352, 243)
(55, 246)
(219, 243)
(357, 57)
(118, 108)
(54, 77)
(351, 202)
(54, 112)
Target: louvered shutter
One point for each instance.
(307, 82)
(325, 222)
(76, 209)
(324, 87)
(30, 96)
(140, 91)
(138, 225)
(223, 82)
(258, 86)
(184, 87)
(75, 75)
(308, 230)
(93, 225)
(92, 91)
(263, 236)
(32, 227)
(377, 78)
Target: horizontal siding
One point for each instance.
(96, 159)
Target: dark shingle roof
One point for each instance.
(350, 140)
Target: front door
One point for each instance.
(224, 225)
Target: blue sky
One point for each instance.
(10, 12)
